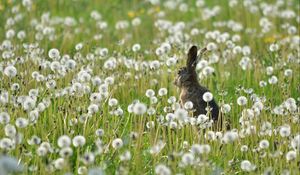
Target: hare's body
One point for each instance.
(194, 94)
(191, 90)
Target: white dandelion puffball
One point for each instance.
(230, 136)
(112, 102)
(274, 47)
(273, 80)
(291, 155)
(207, 97)
(78, 141)
(10, 71)
(10, 165)
(136, 47)
(139, 108)
(54, 53)
(285, 131)
(225, 108)
(242, 101)
(187, 159)
(296, 142)
(162, 170)
(181, 114)
(264, 144)
(150, 93)
(64, 141)
(211, 46)
(244, 148)
(247, 166)
(117, 143)
(162, 91)
(188, 105)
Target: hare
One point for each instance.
(190, 88)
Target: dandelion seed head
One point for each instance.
(162, 92)
(226, 108)
(82, 170)
(117, 143)
(291, 155)
(273, 80)
(230, 136)
(54, 53)
(136, 47)
(285, 131)
(10, 130)
(161, 169)
(126, 156)
(42, 151)
(4, 118)
(78, 141)
(247, 166)
(65, 152)
(88, 158)
(242, 100)
(181, 114)
(10, 71)
(150, 93)
(296, 142)
(21, 122)
(264, 144)
(269, 70)
(139, 108)
(288, 72)
(10, 165)
(64, 141)
(59, 163)
(207, 97)
(244, 148)
(136, 21)
(274, 47)
(187, 159)
(188, 105)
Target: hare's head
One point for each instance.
(187, 76)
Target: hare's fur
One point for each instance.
(190, 88)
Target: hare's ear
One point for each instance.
(202, 51)
(192, 58)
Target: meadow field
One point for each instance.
(87, 87)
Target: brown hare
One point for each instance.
(190, 88)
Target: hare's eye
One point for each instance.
(180, 70)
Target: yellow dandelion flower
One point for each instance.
(131, 14)
(157, 9)
(33, 8)
(270, 39)
(142, 11)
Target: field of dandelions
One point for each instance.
(86, 87)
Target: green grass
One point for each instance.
(63, 115)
